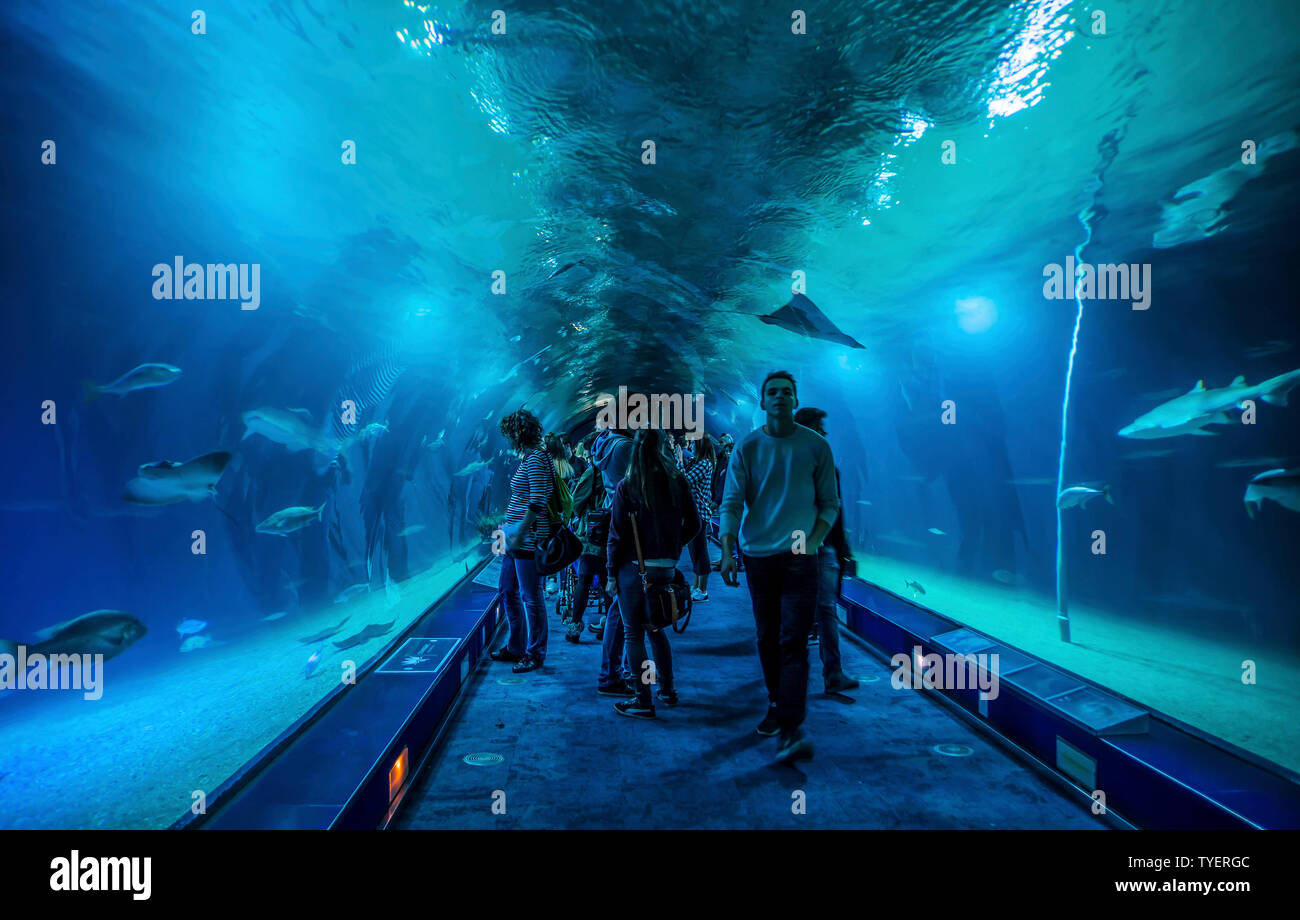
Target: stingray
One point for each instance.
(802, 316)
(167, 482)
(325, 634)
(370, 632)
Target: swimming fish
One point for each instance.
(915, 586)
(100, 632)
(272, 617)
(350, 592)
(1198, 407)
(372, 631)
(1079, 496)
(437, 442)
(167, 482)
(373, 430)
(190, 627)
(195, 642)
(325, 633)
(413, 529)
(1281, 486)
(1271, 347)
(864, 502)
(290, 520)
(292, 428)
(802, 316)
(937, 532)
(313, 661)
(144, 377)
(471, 468)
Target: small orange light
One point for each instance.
(397, 773)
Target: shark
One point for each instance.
(291, 427)
(1199, 407)
(167, 482)
(1281, 486)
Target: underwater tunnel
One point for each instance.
(345, 344)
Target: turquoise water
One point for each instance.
(921, 165)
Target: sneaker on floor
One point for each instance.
(619, 691)
(635, 709)
(698, 595)
(794, 746)
(769, 726)
(573, 632)
(837, 683)
(668, 699)
(527, 663)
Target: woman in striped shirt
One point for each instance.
(528, 524)
(699, 476)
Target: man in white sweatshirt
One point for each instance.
(782, 479)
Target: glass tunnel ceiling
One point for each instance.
(775, 152)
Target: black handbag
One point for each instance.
(561, 549)
(667, 597)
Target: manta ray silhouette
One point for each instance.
(802, 316)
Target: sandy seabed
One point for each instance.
(1194, 679)
(134, 758)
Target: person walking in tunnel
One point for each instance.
(558, 451)
(527, 525)
(652, 518)
(782, 477)
(699, 476)
(592, 527)
(833, 557)
(611, 452)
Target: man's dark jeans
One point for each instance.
(783, 591)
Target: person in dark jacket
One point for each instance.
(656, 499)
(833, 557)
(611, 452)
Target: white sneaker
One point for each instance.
(698, 595)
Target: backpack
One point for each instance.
(589, 491)
(560, 504)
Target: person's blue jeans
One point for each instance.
(521, 590)
(613, 669)
(783, 592)
(828, 587)
(589, 567)
(631, 604)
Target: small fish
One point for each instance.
(518, 337)
(915, 586)
(1147, 454)
(373, 430)
(144, 377)
(313, 661)
(350, 592)
(864, 502)
(937, 532)
(272, 617)
(195, 642)
(190, 627)
(325, 633)
(290, 520)
(1079, 496)
(491, 412)
(1272, 347)
(471, 468)
(1008, 578)
(439, 441)
(413, 529)
(372, 631)
(1271, 462)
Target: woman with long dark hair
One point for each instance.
(699, 476)
(655, 498)
(528, 524)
